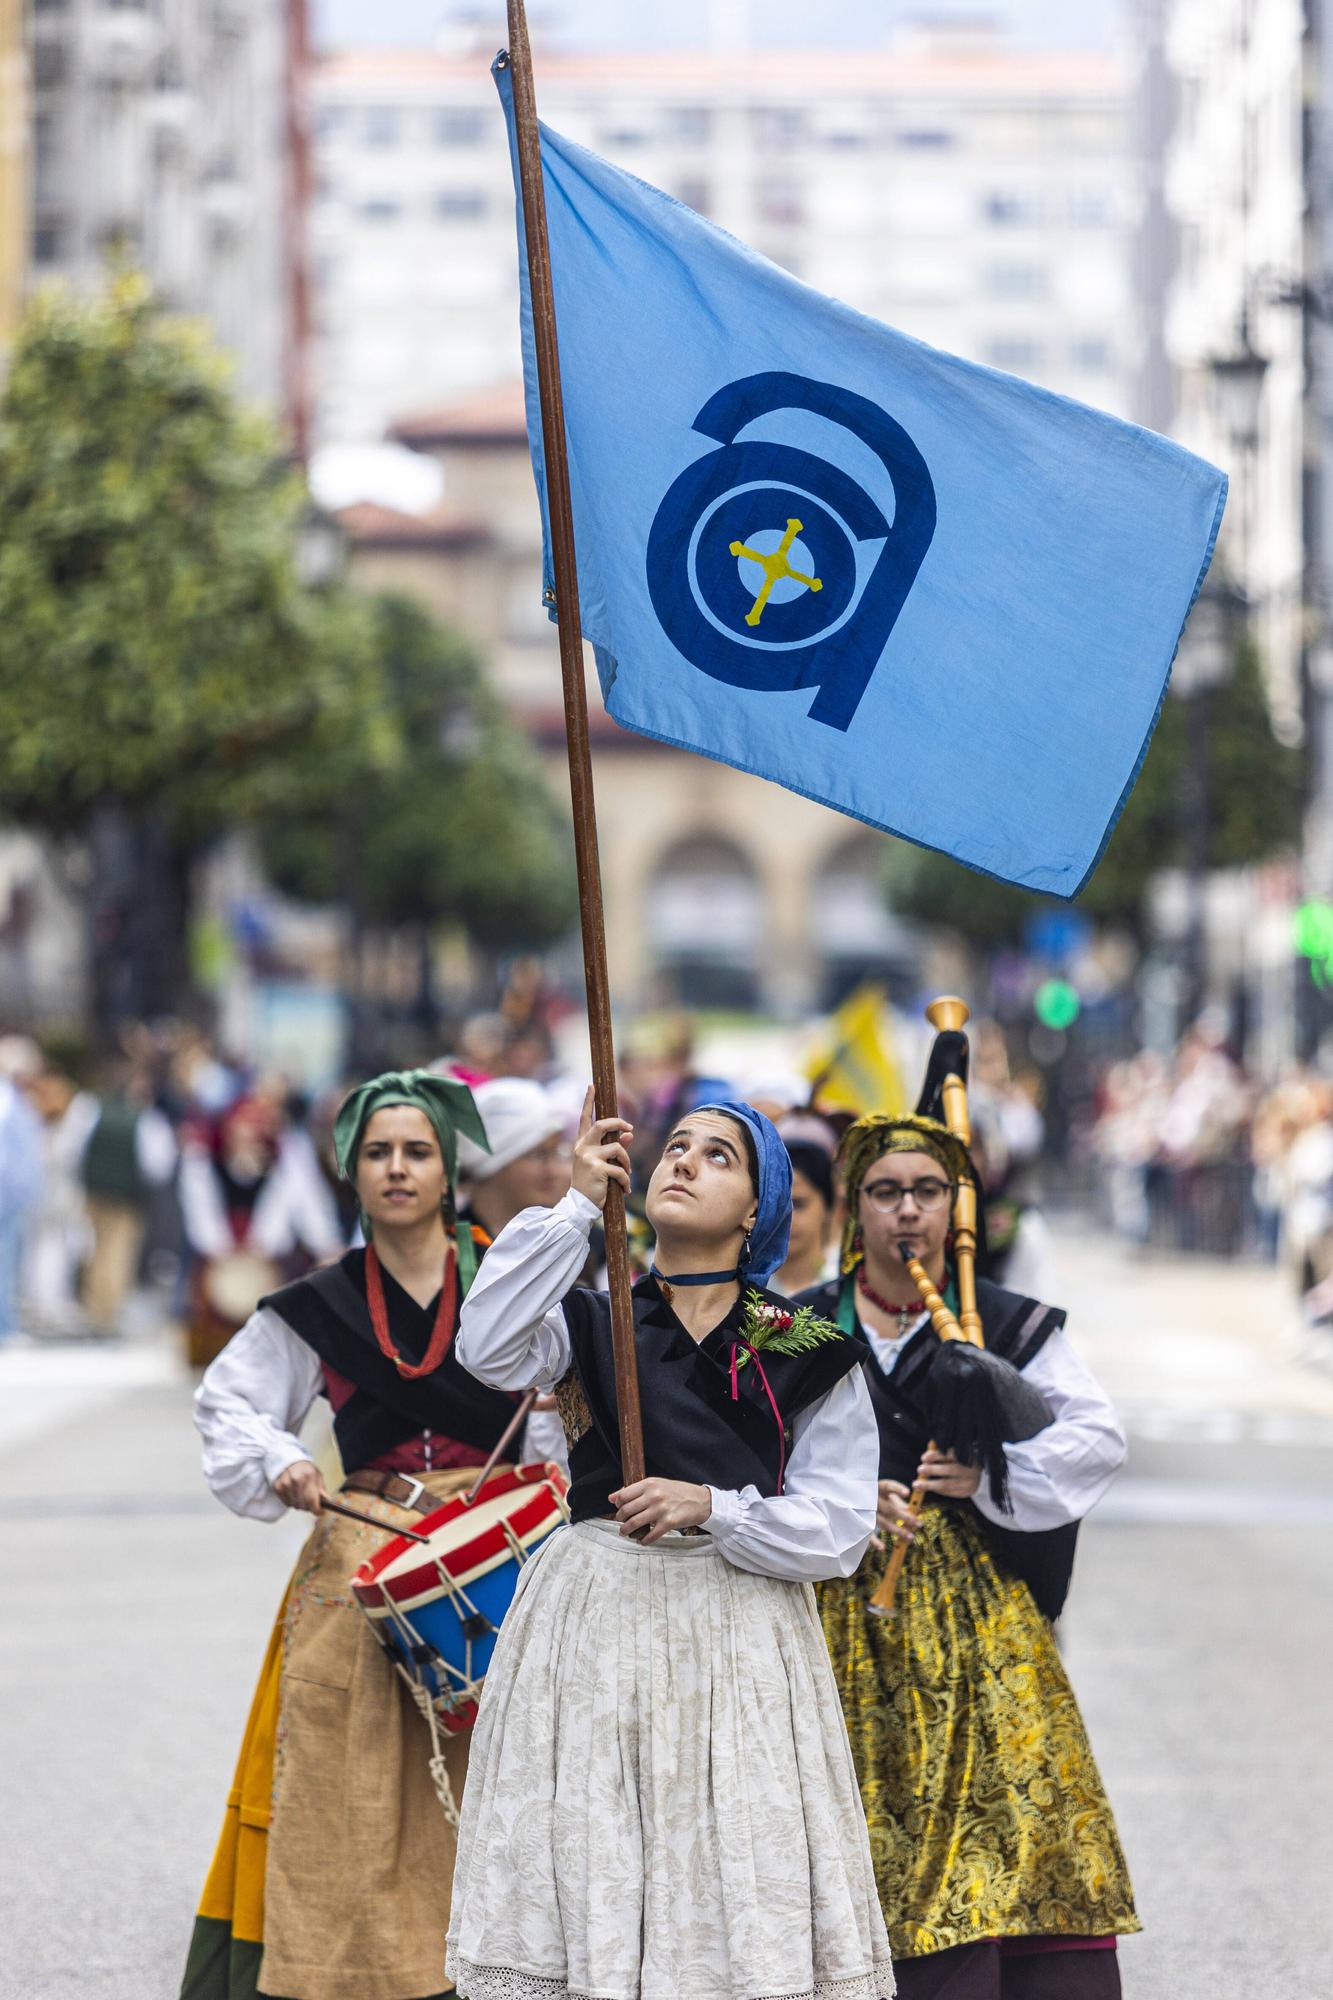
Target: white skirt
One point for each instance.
(661, 1803)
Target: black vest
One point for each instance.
(330, 1313)
(692, 1429)
(1016, 1329)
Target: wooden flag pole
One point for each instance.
(591, 915)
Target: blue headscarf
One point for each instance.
(766, 1250)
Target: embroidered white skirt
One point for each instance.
(661, 1802)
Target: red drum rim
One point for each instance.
(465, 1557)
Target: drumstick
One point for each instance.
(511, 1430)
(369, 1521)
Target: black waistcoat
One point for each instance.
(692, 1429)
(330, 1313)
(1016, 1329)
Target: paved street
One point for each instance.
(1200, 1638)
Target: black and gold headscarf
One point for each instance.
(874, 1136)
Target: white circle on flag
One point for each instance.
(753, 576)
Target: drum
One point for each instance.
(436, 1608)
(224, 1292)
(233, 1285)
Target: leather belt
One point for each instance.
(398, 1488)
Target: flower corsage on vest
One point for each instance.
(767, 1328)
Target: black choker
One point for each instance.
(668, 1285)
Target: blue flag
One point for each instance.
(922, 592)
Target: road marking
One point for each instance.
(1211, 1504)
(1168, 1423)
(43, 1383)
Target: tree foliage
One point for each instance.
(166, 675)
(1254, 792)
(157, 640)
(454, 824)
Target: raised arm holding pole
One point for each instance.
(591, 914)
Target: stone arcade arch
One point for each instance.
(853, 931)
(705, 924)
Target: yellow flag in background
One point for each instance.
(855, 1067)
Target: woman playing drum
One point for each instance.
(663, 1804)
(331, 1880)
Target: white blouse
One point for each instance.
(294, 1209)
(512, 1334)
(1059, 1475)
(254, 1399)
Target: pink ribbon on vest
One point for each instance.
(740, 1341)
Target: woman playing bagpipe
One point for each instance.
(999, 1866)
(331, 1879)
(662, 1802)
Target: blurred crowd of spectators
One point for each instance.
(176, 1177)
(1198, 1155)
(152, 1165)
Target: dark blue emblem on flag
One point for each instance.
(786, 603)
(772, 568)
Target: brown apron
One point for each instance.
(360, 1854)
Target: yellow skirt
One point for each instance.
(986, 1810)
(331, 1878)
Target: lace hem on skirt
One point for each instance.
(500, 1982)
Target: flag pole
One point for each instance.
(591, 914)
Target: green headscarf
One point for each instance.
(448, 1104)
(874, 1136)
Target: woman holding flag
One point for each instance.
(662, 1803)
(658, 1809)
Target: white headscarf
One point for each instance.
(518, 1115)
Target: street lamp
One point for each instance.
(1237, 381)
(320, 549)
(1204, 659)
(1203, 664)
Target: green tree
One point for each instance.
(159, 648)
(454, 826)
(1254, 787)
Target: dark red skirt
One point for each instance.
(1016, 1969)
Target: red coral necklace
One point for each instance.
(442, 1332)
(903, 1313)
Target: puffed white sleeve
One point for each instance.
(1059, 1475)
(311, 1209)
(820, 1525)
(203, 1214)
(544, 1441)
(155, 1146)
(248, 1408)
(511, 1331)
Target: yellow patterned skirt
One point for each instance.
(986, 1810)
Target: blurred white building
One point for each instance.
(977, 196)
(1236, 186)
(159, 132)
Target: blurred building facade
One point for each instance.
(1237, 186)
(975, 195)
(1248, 307)
(13, 168)
(160, 134)
(1153, 247)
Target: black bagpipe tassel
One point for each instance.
(976, 1404)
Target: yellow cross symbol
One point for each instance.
(776, 569)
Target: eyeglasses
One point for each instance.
(888, 1196)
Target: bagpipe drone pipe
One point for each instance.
(949, 1389)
